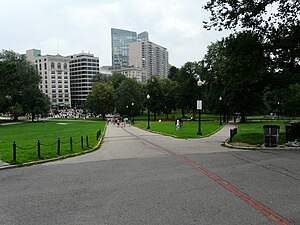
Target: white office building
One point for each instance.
(83, 67)
(54, 71)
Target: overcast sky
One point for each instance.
(72, 26)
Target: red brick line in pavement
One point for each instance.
(243, 196)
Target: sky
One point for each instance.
(73, 26)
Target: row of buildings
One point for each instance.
(67, 80)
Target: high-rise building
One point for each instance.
(54, 71)
(144, 36)
(83, 68)
(151, 57)
(119, 46)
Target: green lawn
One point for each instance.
(252, 133)
(189, 129)
(26, 136)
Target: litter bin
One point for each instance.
(271, 135)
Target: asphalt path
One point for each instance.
(139, 177)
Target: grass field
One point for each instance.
(26, 136)
(252, 133)
(189, 129)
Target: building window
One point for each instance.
(52, 66)
(65, 66)
(58, 66)
(45, 66)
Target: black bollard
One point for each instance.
(71, 144)
(14, 152)
(39, 149)
(58, 146)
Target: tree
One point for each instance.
(291, 102)
(187, 86)
(100, 99)
(243, 76)
(116, 79)
(39, 105)
(154, 89)
(277, 22)
(169, 89)
(100, 78)
(173, 75)
(129, 98)
(18, 77)
(213, 70)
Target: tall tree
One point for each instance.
(18, 76)
(100, 78)
(276, 21)
(39, 105)
(291, 101)
(100, 99)
(116, 79)
(174, 71)
(169, 88)
(244, 74)
(129, 98)
(154, 89)
(187, 92)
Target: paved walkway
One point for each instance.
(131, 142)
(121, 143)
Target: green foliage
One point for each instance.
(100, 100)
(187, 86)
(19, 82)
(129, 98)
(169, 89)
(173, 75)
(153, 87)
(279, 30)
(100, 78)
(292, 100)
(116, 79)
(235, 69)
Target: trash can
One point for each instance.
(271, 135)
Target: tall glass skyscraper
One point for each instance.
(120, 40)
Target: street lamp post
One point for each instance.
(132, 112)
(199, 105)
(278, 103)
(220, 99)
(148, 98)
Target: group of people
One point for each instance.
(121, 122)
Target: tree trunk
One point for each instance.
(182, 113)
(243, 117)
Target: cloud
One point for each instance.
(70, 26)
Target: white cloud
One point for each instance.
(70, 26)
